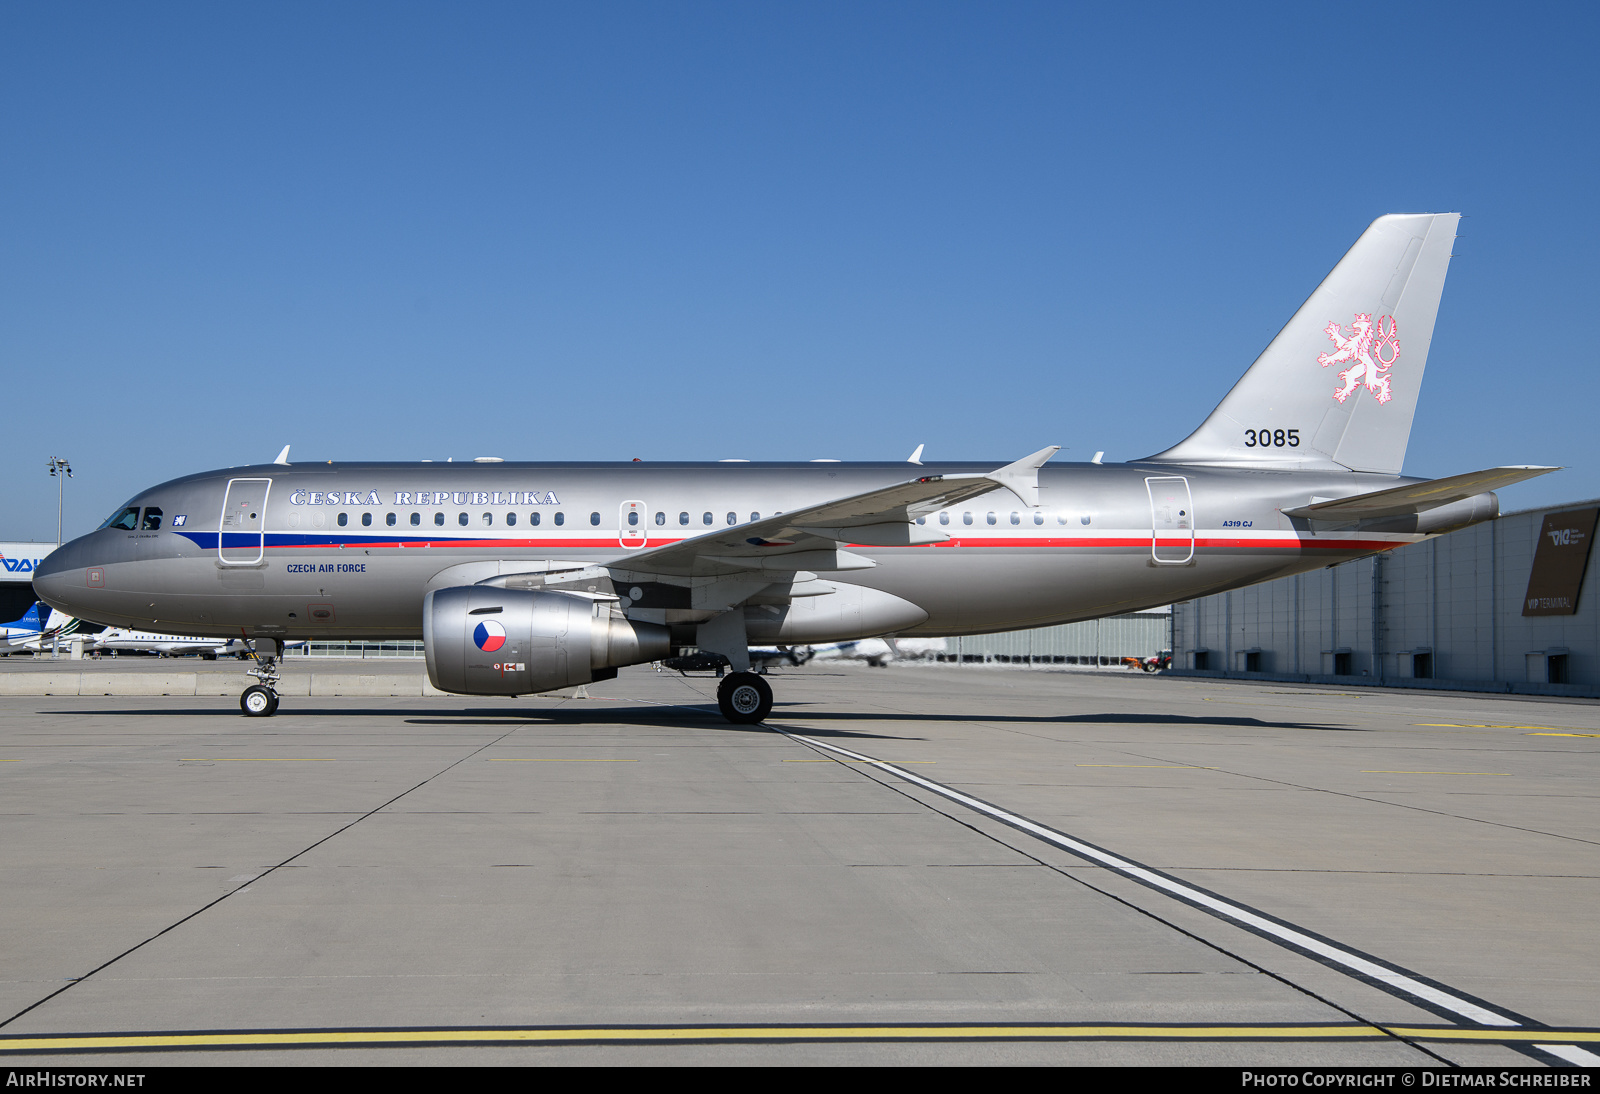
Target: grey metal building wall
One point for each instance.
(1093, 641)
(1443, 613)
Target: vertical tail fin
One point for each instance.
(29, 620)
(1337, 388)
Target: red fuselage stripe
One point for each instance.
(1285, 543)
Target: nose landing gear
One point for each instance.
(260, 700)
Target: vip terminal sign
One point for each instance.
(1559, 562)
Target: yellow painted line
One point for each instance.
(557, 760)
(1174, 767)
(644, 1035)
(257, 759)
(1382, 771)
(1530, 735)
(685, 1033)
(1475, 725)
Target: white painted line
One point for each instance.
(1572, 1054)
(1329, 952)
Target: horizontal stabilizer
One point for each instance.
(1419, 497)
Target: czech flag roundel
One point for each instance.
(489, 636)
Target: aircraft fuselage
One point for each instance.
(349, 550)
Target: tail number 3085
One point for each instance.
(1272, 438)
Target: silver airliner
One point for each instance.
(526, 577)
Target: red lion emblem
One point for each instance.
(1366, 347)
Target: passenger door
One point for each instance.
(241, 535)
(1171, 519)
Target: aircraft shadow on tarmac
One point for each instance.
(707, 717)
(567, 714)
(1082, 719)
(695, 717)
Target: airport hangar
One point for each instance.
(1504, 606)
(17, 563)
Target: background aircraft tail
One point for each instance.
(30, 620)
(1337, 388)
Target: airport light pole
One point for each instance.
(61, 471)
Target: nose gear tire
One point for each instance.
(258, 702)
(745, 698)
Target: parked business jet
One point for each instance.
(523, 577)
(127, 639)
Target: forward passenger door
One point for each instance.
(241, 535)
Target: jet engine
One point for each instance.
(483, 640)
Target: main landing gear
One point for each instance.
(260, 700)
(745, 698)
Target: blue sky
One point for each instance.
(771, 231)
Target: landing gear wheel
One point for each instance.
(745, 698)
(258, 702)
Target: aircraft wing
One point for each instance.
(810, 538)
(1418, 497)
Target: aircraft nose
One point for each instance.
(61, 573)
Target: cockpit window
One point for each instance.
(152, 520)
(125, 519)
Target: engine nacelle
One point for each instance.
(483, 640)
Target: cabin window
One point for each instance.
(991, 518)
(755, 516)
(966, 518)
(633, 518)
(152, 520)
(1084, 519)
(366, 520)
(594, 519)
(561, 518)
(416, 519)
(389, 520)
(706, 519)
(344, 518)
(1016, 518)
(944, 518)
(488, 519)
(733, 518)
(1038, 518)
(922, 520)
(533, 519)
(683, 518)
(125, 519)
(511, 520)
(461, 519)
(661, 518)
(438, 518)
